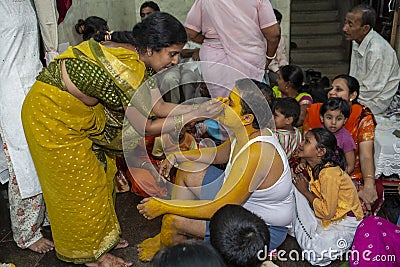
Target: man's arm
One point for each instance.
(380, 82)
(235, 190)
(272, 34)
(194, 36)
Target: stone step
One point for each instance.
(312, 16)
(329, 69)
(312, 41)
(315, 28)
(315, 55)
(314, 5)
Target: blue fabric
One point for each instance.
(213, 129)
(277, 236)
(212, 183)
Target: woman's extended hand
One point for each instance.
(150, 208)
(209, 109)
(167, 164)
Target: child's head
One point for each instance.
(286, 113)
(334, 113)
(239, 235)
(278, 16)
(193, 252)
(318, 148)
(266, 91)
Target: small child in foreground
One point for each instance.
(327, 208)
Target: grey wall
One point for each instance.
(123, 14)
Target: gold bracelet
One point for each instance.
(178, 122)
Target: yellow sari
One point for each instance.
(60, 130)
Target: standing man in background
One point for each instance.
(373, 61)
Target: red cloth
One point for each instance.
(62, 8)
(144, 184)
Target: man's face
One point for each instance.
(353, 29)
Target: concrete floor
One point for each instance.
(134, 228)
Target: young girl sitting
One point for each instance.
(334, 114)
(327, 208)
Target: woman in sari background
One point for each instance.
(72, 119)
(361, 125)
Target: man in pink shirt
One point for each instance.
(234, 34)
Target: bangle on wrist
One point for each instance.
(178, 122)
(369, 176)
(176, 164)
(270, 58)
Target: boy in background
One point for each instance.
(286, 112)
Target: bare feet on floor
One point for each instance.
(109, 260)
(122, 244)
(148, 248)
(43, 245)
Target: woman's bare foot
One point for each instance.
(122, 244)
(109, 260)
(43, 245)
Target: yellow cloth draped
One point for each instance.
(59, 129)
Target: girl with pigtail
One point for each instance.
(327, 207)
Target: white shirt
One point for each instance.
(277, 199)
(19, 66)
(374, 63)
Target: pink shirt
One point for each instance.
(233, 38)
(199, 20)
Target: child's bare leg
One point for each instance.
(188, 181)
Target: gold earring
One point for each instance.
(149, 53)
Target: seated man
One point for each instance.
(373, 61)
(257, 177)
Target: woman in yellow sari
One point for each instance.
(72, 119)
